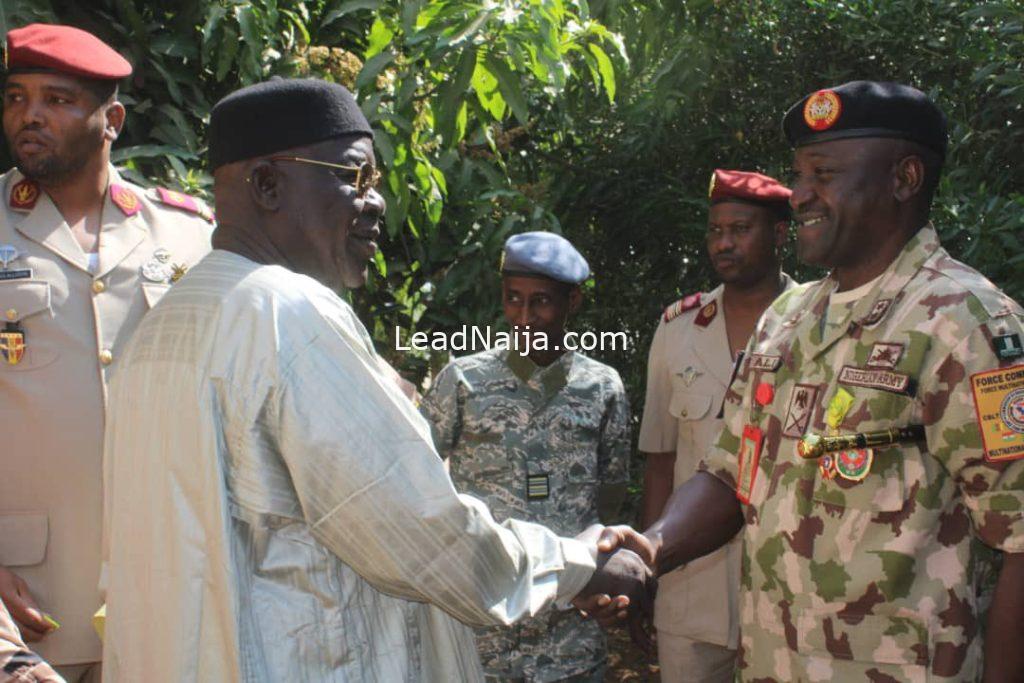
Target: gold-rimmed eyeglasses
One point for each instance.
(367, 177)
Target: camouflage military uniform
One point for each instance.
(506, 425)
(878, 579)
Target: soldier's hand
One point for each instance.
(624, 575)
(22, 606)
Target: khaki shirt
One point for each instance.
(52, 401)
(875, 567)
(688, 370)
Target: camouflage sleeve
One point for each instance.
(442, 408)
(992, 488)
(613, 449)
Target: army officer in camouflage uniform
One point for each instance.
(542, 437)
(871, 562)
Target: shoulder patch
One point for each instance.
(687, 303)
(180, 200)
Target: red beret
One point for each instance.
(64, 49)
(748, 187)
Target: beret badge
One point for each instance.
(822, 110)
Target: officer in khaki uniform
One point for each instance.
(689, 369)
(76, 276)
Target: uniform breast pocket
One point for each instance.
(26, 307)
(686, 404)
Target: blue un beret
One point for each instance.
(544, 254)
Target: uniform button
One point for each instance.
(106, 357)
(98, 287)
(12, 314)
(683, 413)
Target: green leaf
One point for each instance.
(212, 22)
(249, 27)
(604, 65)
(147, 151)
(380, 37)
(172, 85)
(226, 56)
(348, 8)
(450, 101)
(486, 87)
(372, 67)
(508, 83)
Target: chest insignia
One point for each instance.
(800, 410)
(690, 375)
(885, 355)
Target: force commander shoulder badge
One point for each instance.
(180, 200)
(687, 303)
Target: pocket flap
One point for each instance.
(864, 638)
(687, 405)
(23, 538)
(153, 292)
(21, 298)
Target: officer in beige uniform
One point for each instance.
(83, 255)
(689, 369)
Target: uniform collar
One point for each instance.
(550, 379)
(871, 309)
(119, 234)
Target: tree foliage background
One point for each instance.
(601, 120)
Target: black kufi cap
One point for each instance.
(867, 109)
(281, 114)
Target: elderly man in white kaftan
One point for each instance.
(276, 510)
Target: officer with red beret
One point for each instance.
(83, 255)
(689, 368)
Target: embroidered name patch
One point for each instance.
(765, 362)
(999, 405)
(801, 407)
(886, 380)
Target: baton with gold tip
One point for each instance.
(813, 446)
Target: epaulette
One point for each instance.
(180, 200)
(687, 303)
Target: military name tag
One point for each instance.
(765, 362)
(999, 404)
(886, 380)
(537, 487)
(19, 274)
(749, 457)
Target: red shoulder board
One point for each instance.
(685, 304)
(24, 195)
(707, 314)
(182, 201)
(124, 199)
